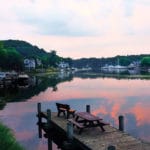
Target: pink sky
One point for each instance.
(78, 29)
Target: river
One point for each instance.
(108, 97)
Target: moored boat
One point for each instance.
(23, 80)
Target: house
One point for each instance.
(29, 63)
(63, 65)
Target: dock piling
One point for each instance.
(49, 126)
(111, 147)
(88, 109)
(121, 123)
(48, 118)
(69, 131)
(39, 120)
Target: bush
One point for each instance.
(7, 139)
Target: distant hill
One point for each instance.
(14, 51)
(25, 48)
(96, 63)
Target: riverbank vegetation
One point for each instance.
(7, 139)
(14, 52)
(112, 75)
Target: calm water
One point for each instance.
(108, 97)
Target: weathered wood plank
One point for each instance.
(95, 139)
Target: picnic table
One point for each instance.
(87, 120)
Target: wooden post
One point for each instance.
(88, 108)
(39, 120)
(49, 143)
(111, 147)
(49, 126)
(121, 123)
(48, 118)
(70, 131)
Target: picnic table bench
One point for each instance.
(65, 110)
(77, 124)
(86, 120)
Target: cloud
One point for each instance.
(97, 27)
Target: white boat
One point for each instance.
(120, 67)
(2, 75)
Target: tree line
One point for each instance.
(13, 52)
(95, 63)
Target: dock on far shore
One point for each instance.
(91, 138)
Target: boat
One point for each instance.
(2, 75)
(23, 80)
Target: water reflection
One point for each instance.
(108, 97)
(36, 86)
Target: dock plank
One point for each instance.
(95, 139)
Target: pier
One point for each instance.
(90, 139)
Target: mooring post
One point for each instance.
(39, 120)
(111, 147)
(69, 143)
(88, 109)
(49, 143)
(48, 118)
(49, 126)
(121, 123)
(70, 131)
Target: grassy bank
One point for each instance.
(7, 139)
(117, 76)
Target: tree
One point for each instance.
(3, 55)
(124, 61)
(10, 58)
(15, 61)
(53, 59)
(145, 62)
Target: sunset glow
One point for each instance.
(78, 29)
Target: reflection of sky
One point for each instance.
(108, 98)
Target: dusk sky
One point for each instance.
(79, 28)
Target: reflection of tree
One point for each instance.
(2, 104)
(6, 95)
(41, 84)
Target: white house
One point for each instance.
(63, 65)
(29, 63)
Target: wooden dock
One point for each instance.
(94, 138)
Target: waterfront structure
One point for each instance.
(29, 63)
(63, 65)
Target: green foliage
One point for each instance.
(26, 50)
(12, 53)
(124, 61)
(7, 140)
(97, 63)
(3, 55)
(145, 62)
(53, 59)
(10, 58)
(67, 60)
